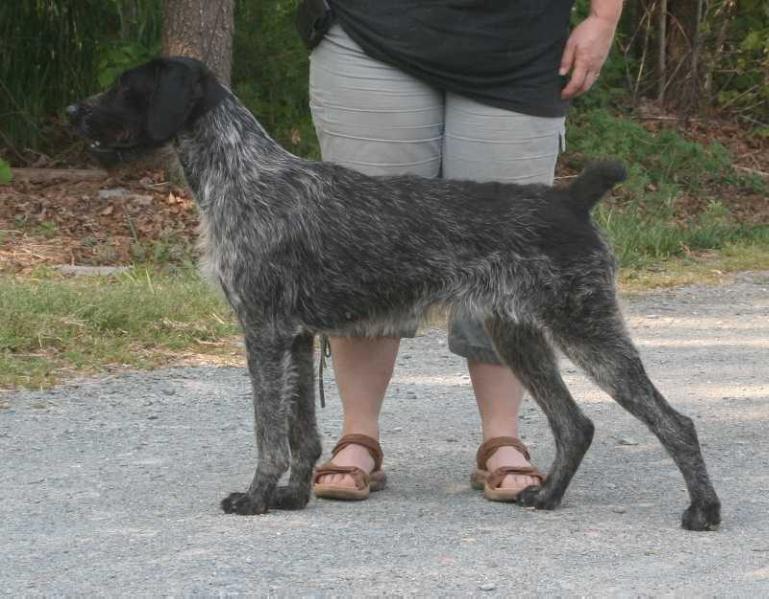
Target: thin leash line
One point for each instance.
(325, 352)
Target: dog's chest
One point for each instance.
(214, 263)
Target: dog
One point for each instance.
(302, 248)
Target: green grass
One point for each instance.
(707, 268)
(642, 221)
(52, 324)
(6, 176)
(641, 240)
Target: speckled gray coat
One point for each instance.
(301, 248)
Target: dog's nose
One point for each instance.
(72, 111)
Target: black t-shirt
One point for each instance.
(504, 53)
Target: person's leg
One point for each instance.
(484, 143)
(375, 119)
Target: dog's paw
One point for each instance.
(538, 498)
(243, 504)
(289, 498)
(702, 516)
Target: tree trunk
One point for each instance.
(201, 29)
(684, 78)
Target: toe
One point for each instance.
(337, 480)
(352, 455)
(511, 457)
(518, 483)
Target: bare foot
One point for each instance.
(510, 456)
(352, 455)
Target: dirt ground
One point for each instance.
(110, 486)
(136, 215)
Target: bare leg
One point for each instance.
(363, 368)
(499, 395)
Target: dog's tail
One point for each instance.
(594, 181)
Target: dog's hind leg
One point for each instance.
(601, 347)
(303, 438)
(525, 350)
(273, 381)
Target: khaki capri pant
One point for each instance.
(378, 120)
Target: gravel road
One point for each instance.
(111, 486)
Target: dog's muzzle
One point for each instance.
(105, 155)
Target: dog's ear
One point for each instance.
(177, 89)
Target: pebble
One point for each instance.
(627, 441)
(85, 271)
(115, 192)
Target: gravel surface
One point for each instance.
(111, 486)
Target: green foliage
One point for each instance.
(664, 167)
(664, 159)
(741, 69)
(54, 52)
(5, 172)
(121, 56)
(611, 87)
(270, 72)
(136, 40)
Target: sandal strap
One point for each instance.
(372, 445)
(494, 480)
(489, 446)
(360, 477)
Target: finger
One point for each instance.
(576, 82)
(590, 79)
(567, 60)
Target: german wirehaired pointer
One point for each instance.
(303, 248)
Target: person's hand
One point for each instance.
(586, 51)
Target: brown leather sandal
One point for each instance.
(365, 482)
(490, 482)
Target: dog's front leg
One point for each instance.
(304, 439)
(272, 380)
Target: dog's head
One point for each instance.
(146, 107)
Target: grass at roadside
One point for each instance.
(54, 327)
(681, 197)
(707, 268)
